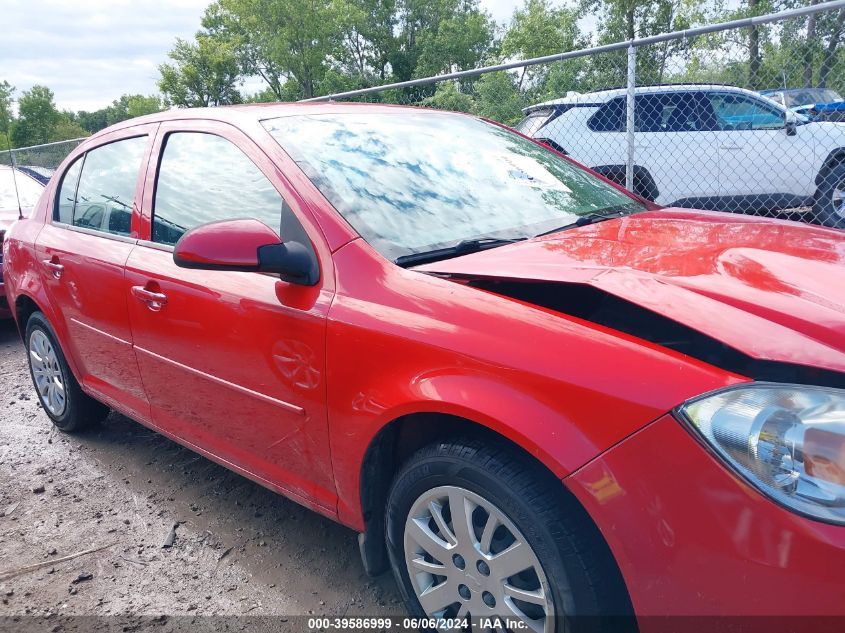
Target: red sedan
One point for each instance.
(533, 394)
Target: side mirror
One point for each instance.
(790, 123)
(247, 246)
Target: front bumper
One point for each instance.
(692, 539)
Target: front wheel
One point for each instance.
(829, 205)
(477, 531)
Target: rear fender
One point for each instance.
(23, 279)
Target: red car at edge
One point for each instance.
(535, 395)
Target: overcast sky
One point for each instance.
(89, 52)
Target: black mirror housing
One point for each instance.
(292, 261)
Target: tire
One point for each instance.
(568, 567)
(829, 204)
(61, 397)
(644, 185)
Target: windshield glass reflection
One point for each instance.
(410, 182)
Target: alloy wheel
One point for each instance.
(837, 199)
(49, 381)
(466, 558)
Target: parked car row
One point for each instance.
(703, 146)
(534, 394)
(19, 192)
(819, 104)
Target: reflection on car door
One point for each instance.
(83, 251)
(232, 362)
(754, 149)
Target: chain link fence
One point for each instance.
(745, 116)
(39, 161)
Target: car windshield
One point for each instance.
(807, 97)
(410, 182)
(27, 188)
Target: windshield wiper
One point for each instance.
(589, 218)
(461, 248)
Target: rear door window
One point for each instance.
(668, 112)
(105, 194)
(203, 178)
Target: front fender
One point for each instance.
(507, 409)
(401, 342)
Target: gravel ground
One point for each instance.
(239, 550)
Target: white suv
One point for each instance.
(704, 146)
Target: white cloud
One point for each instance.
(89, 52)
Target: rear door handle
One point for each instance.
(730, 146)
(155, 300)
(54, 267)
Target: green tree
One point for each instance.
(278, 39)
(368, 38)
(37, 117)
(204, 73)
(437, 35)
(7, 92)
(459, 40)
(497, 97)
(121, 109)
(131, 106)
(92, 121)
(447, 96)
(538, 29)
(632, 19)
(66, 128)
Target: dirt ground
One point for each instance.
(239, 549)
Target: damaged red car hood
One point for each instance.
(773, 290)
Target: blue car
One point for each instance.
(819, 104)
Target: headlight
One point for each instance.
(787, 440)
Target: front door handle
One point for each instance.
(730, 146)
(54, 267)
(155, 300)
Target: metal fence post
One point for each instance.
(629, 118)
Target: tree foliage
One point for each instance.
(37, 118)
(304, 48)
(203, 73)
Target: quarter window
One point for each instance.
(609, 118)
(203, 178)
(106, 190)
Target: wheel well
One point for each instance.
(24, 307)
(400, 439)
(644, 185)
(835, 158)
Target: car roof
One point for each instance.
(603, 96)
(260, 111)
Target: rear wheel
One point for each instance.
(476, 531)
(63, 400)
(829, 205)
